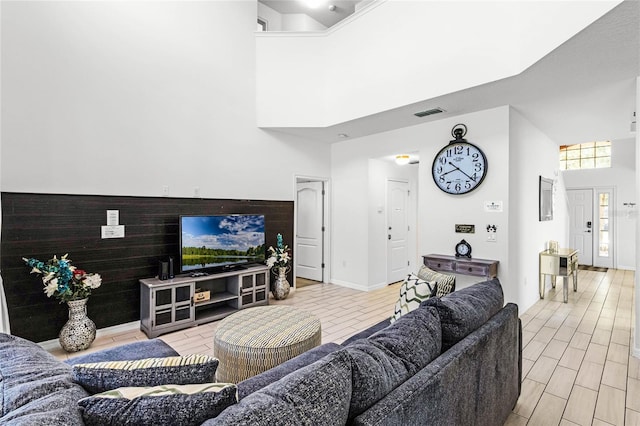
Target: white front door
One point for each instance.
(309, 241)
(581, 224)
(603, 229)
(398, 230)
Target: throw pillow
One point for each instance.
(178, 370)
(446, 282)
(464, 311)
(412, 292)
(159, 405)
(315, 395)
(389, 357)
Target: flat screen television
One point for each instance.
(219, 242)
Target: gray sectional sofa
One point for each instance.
(455, 360)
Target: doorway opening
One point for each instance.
(591, 225)
(311, 231)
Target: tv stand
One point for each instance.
(169, 305)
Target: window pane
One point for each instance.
(573, 154)
(588, 152)
(587, 163)
(573, 164)
(585, 156)
(603, 162)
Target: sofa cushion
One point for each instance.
(252, 384)
(466, 310)
(367, 332)
(36, 388)
(446, 282)
(389, 357)
(153, 348)
(177, 370)
(413, 291)
(159, 405)
(315, 395)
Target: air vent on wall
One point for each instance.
(429, 112)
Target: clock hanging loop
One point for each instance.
(458, 132)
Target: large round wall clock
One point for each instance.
(459, 167)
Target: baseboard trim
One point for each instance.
(359, 287)
(120, 328)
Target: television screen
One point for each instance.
(214, 242)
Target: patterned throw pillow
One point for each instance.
(179, 370)
(412, 292)
(446, 282)
(159, 405)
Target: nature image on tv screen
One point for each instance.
(213, 241)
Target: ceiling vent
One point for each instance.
(429, 112)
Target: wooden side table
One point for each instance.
(562, 262)
(461, 265)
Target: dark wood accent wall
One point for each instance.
(41, 225)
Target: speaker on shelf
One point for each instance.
(171, 265)
(163, 270)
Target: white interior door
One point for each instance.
(398, 230)
(310, 230)
(604, 228)
(581, 224)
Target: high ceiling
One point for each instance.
(321, 13)
(584, 90)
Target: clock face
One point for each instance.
(459, 168)
(463, 249)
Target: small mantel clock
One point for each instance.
(459, 167)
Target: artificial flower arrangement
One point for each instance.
(280, 257)
(62, 280)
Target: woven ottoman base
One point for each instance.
(256, 339)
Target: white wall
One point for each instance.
(517, 152)
(532, 154)
(396, 53)
(437, 212)
(123, 98)
(621, 176)
(300, 22)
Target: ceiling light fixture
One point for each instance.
(402, 159)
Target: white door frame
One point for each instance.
(326, 235)
(612, 222)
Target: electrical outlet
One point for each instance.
(196, 192)
(492, 237)
(165, 190)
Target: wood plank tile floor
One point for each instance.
(577, 367)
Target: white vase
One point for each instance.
(280, 287)
(79, 331)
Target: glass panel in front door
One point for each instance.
(603, 225)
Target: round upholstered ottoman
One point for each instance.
(254, 340)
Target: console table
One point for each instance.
(562, 262)
(462, 265)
